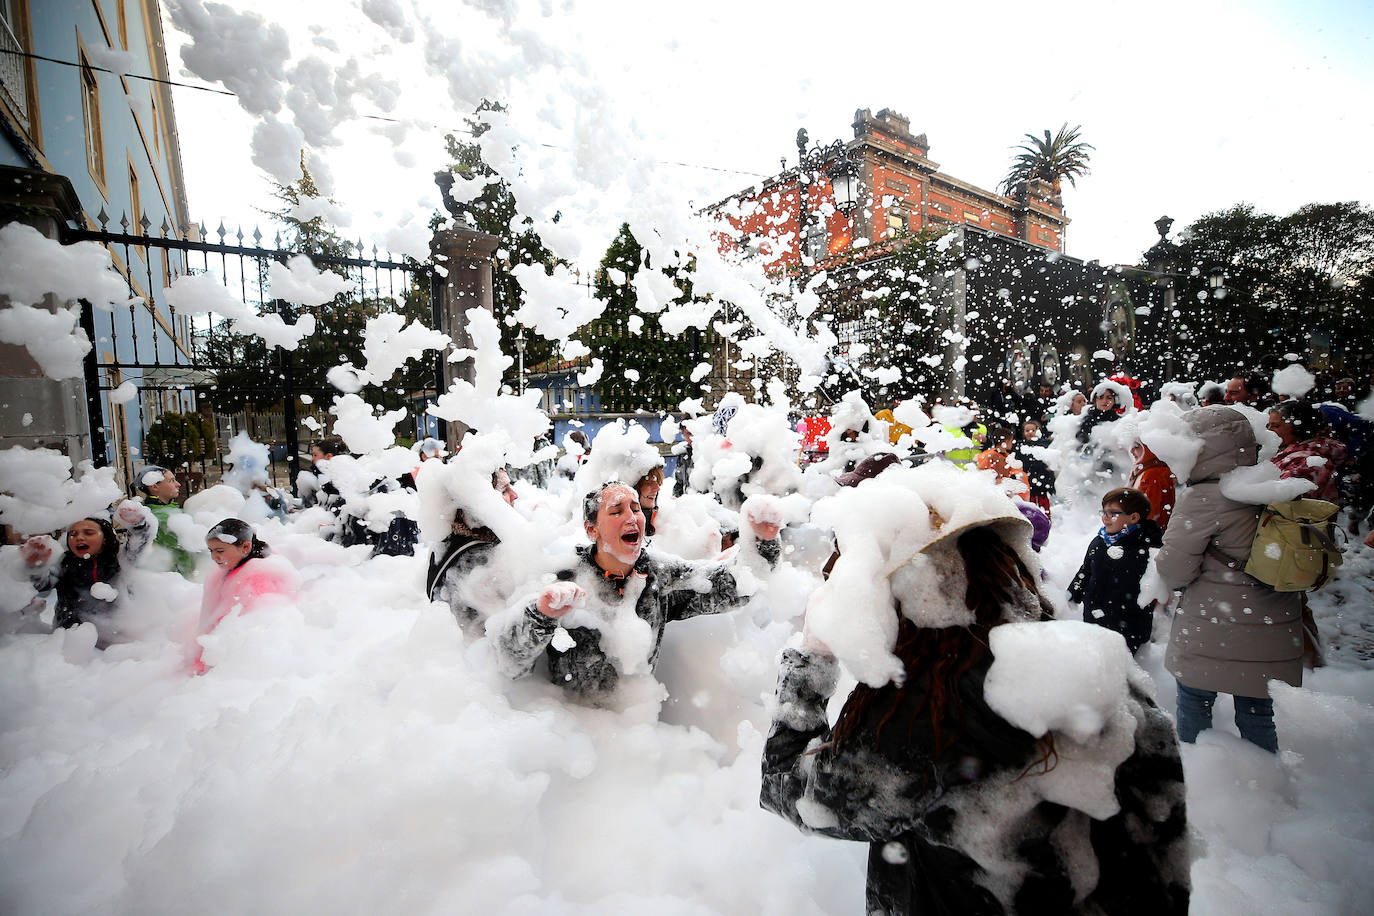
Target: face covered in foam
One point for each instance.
(618, 531)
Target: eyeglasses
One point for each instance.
(1112, 513)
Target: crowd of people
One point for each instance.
(921, 525)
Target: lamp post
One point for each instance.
(844, 184)
(1163, 263)
(520, 353)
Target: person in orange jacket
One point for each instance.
(996, 458)
(1152, 477)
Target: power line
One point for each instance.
(468, 131)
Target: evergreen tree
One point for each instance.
(644, 367)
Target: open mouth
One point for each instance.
(630, 538)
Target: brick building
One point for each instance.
(899, 189)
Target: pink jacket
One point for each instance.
(258, 582)
(1292, 462)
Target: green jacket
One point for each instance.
(183, 561)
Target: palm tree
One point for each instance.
(1051, 159)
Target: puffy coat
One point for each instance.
(965, 831)
(1152, 477)
(1292, 461)
(451, 562)
(659, 589)
(1108, 584)
(246, 588)
(1231, 633)
(995, 460)
(74, 578)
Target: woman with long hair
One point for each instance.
(963, 810)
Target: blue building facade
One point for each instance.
(98, 113)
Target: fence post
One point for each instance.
(464, 257)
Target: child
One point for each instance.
(87, 577)
(160, 488)
(998, 458)
(1108, 583)
(245, 578)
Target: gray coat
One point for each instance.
(1231, 633)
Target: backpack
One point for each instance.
(1295, 545)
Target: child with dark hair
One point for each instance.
(1108, 582)
(246, 576)
(87, 578)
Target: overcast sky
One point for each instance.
(1192, 106)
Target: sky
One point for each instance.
(645, 113)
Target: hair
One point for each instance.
(652, 473)
(1211, 393)
(998, 582)
(242, 533)
(591, 503)
(1307, 420)
(999, 434)
(331, 446)
(145, 488)
(1130, 500)
(581, 439)
(102, 567)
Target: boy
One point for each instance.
(1108, 583)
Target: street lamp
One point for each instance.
(844, 184)
(1216, 283)
(1163, 263)
(520, 352)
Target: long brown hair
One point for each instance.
(936, 658)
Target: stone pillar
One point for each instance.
(462, 258)
(37, 411)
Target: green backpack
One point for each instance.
(1295, 545)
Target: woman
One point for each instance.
(245, 579)
(1304, 448)
(616, 571)
(951, 797)
(1231, 633)
(1104, 410)
(88, 579)
(468, 547)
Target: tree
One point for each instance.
(1051, 159)
(178, 439)
(496, 212)
(644, 367)
(1293, 283)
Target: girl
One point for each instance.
(245, 578)
(954, 799)
(87, 579)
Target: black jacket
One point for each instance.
(1092, 418)
(665, 588)
(450, 563)
(1108, 583)
(931, 820)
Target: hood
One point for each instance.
(1228, 441)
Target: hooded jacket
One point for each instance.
(1152, 477)
(1231, 633)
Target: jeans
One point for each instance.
(1254, 717)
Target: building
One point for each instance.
(88, 140)
(1012, 307)
(896, 188)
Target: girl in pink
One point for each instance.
(246, 577)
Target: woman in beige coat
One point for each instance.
(1231, 633)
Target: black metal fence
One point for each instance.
(171, 388)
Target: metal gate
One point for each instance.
(168, 388)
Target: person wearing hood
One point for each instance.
(1152, 476)
(1038, 474)
(468, 547)
(1104, 409)
(1231, 633)
(951, 796)
(159, 488)
(617, 569)
(88, 576)
(1108, 583)
(246, 578)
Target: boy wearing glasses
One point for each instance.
(1108, 582)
